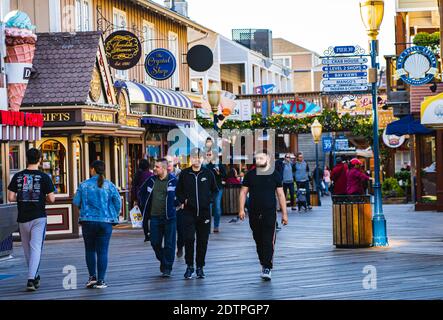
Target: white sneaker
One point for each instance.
(266, 274)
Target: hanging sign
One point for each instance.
(160, 64)
(327, 144)
(344, 61)
(123, 49)
(416, 66)
(393, 141)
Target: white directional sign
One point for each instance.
(357, 67)
(345, 61)
(345, 82)
(344, 88)
(346, 75)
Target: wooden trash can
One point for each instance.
(314, 199)
(352, 221)
(231, 199)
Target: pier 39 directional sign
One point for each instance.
(345, 70)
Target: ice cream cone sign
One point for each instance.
(20, 48)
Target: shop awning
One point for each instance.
(144, 94)
(19, 133)
(407, 125)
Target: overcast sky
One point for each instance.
(313, 24)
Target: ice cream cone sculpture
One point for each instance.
(20, 48)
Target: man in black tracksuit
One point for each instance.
(195, 191)
(263, 185)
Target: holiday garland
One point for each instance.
(331, 121)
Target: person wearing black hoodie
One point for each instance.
(195, 191)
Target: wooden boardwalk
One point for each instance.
(307, 265)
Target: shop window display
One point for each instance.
(54, 164)
(14, 160)
(428, 170)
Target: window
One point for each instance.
(82, 15)
(227, 86)
(120, 23)
(54, 164)
(284, 61)
(148, 46)
(428, 169)
(14, 159)
(173, 47)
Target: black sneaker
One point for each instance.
(30, 286)
(189, 272)
(180, 253)
(266, 274)
(37, 282)
(166, 273)
(148, 237)
(91, 282)
(200, 273)
(100, 285)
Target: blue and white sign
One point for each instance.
(344, 49)
(344, 88)
(358, 67)
(327, 144)
(341, 144)
(345, 75)
(416, 66)
(344, 61)
(160, 64)
(344, 82)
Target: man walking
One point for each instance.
(219, 172)
(262, 184)
(195, 189)
(160, 203)
(31, 189)
(288, 179)
(302, 176)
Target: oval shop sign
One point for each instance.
(416, 66)
(123, 49)
(160, 64)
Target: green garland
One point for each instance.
(330, 120)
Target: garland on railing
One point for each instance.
(331, 121)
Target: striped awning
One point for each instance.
(16, 133)
(141, 93)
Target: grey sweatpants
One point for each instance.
(33, 234)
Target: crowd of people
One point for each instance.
(177, 206)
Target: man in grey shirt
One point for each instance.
(302, 176)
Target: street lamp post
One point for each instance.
(372, 17)
(214, 97)
(316, 130)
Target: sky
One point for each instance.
(313, 24)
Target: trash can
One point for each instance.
(314, 198)
(352, 221)
(231, 199)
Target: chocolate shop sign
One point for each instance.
(160, 64)
(123, 49)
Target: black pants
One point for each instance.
(196, 228)
(180, 230)
(290, 187)
(263, 230)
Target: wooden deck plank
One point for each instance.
(307, 265)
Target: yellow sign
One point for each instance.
(98, 117)
(132, 122)
(432, 111)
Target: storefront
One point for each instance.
(17, 131)
(161, 110)
(86, 119)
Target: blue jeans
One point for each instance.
(216, 208)
(164, 229)
(97, 236)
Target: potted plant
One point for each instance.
(392, 192)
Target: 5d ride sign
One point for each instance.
(160, 64)
(123, 49)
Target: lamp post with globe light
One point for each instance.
(316, 130)
(372, 16)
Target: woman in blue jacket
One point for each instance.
(99, 203)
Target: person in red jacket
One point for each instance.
(356, 179)
(339, 177)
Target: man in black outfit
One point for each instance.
(195, 190)
(262, 184)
